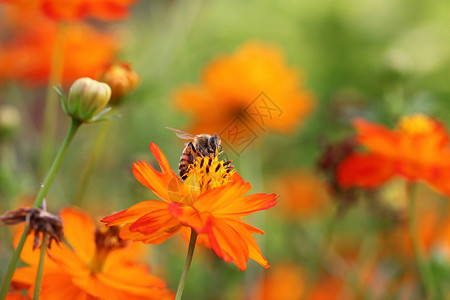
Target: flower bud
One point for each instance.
(9, 121)
(87, 97)
(122, 80)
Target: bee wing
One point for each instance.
(183, 134)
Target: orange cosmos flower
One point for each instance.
(417, 149)
(211, 201)
(98, 265)
(27, 56)
(253, 84)
(303, 193)
(77, 10)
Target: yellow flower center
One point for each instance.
(416, 124)
(207, 173)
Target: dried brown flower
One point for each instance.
(329, 160)
(39, 220)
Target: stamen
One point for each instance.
(416, 124)
(201, 163)
(203, 176)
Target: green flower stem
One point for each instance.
(187, 264)
(426, 274)
(92, 162)
(37, 203)
(40, 270)
(51, 100)
(12, 264)
(321, 253)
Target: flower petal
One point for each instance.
(134, 281)
(155, 238)
(254, 252)
(153, 227)
(246, 205)
(219, 199)
(133, 213)
(24, 277)
(227, 242)
(166, 184)
(189, 216)
(364, 170)
(56, 286)
(79, 230)
(377, 138)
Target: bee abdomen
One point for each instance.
(186, 159)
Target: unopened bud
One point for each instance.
(122, 80)
(9, 121)
(87, 98)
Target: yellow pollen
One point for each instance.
(207, 173)
(416, 124)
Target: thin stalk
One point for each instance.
(321, 253)
(92, 162)
(51, 100)
(425, 272)
(40, 270)
(37, 203)
(13, 263)
(187, 264)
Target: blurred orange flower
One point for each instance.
(122, 80)
(434, 234)
(98, 265)
(77, 10)
(211, 201)
(417, 149)
(27, 56)
(303, 194)
(285, 282)
(253, 84)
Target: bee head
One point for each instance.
(215, 143)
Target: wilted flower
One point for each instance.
(417, 149)
(122, 80)
(87, 99)
(211, 201)
(331, 157)
(96, 265)
(40, 222)
(254, 84)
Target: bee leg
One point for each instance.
(206, 152)
(203, 152)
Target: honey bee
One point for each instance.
(202, 145)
